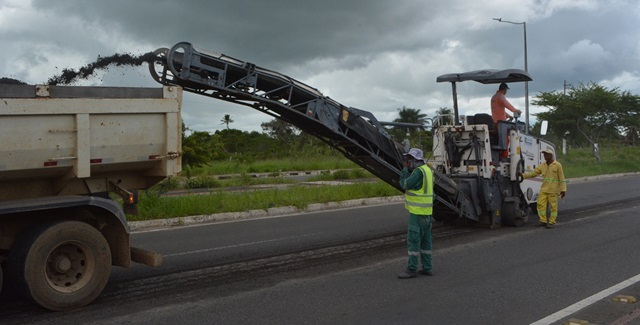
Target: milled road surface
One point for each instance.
(502, 276)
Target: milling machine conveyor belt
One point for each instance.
(354, 132)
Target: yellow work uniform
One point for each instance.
(553, 182)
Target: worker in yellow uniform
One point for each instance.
(417, 181)
(553, 185)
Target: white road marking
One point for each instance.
(588, 301)
(241, 245)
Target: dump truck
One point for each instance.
(67, 152)
(475, 162)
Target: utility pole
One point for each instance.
(564, 86)
(526, 68)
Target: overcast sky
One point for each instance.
(376, 55)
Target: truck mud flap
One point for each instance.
(146, 257)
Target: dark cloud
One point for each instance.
(377, 55)
(582, 46)
(271, 32)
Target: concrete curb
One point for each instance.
(600, 177)
(138, 226)
(282, 174)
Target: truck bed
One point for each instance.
(65, 140)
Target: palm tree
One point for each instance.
(443, 117)
(226, 120)
(411, 115)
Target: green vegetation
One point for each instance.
(591, 114)
(419, 136)
(154, 206)
(343, 174)
(237, 149)
(210, 182)
(577, 163)
(247, 166)
(614, 160)
(209, 177)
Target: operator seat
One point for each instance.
(488, 120)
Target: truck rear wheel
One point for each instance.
(61, 265)
(1, 277)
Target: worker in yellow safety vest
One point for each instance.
(417, 181)
(553, 185)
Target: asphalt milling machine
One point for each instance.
(475, 162)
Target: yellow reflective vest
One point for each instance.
(552, 177)
(420, 201)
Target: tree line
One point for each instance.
(281, 140)
(585, 115)
(591, 113)
(278, 140)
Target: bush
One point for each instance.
(341, 174)
(169, 184)
(202, 182)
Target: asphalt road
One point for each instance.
(500, 276)
(208, 245)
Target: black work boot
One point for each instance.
(407, 274)
(425, 272)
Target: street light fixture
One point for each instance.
(526, 83)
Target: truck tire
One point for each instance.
(60, 265)
(1, 278)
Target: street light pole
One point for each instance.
(526, 68)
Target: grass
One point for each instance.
(211, 182)
(271, 166)
(614, 160)
(154, 206)
(577, 163)
(342, 174)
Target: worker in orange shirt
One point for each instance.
(499, 104)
